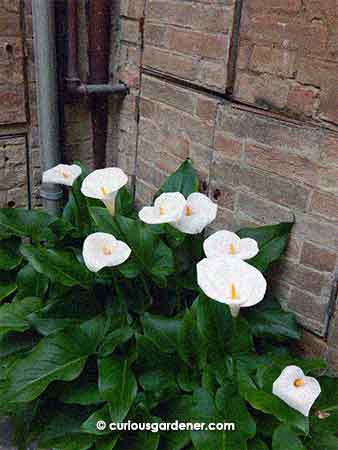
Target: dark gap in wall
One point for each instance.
(235, 102)
(234, 45)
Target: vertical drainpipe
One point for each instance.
(99, 24)
(47, 94)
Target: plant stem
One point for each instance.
(147, 290)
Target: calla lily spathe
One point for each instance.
(198, 213)
(104, 250)
(168, 208)
(62, 174)
(227, 244)
(104, 184)
(297, 390)
(231, 281)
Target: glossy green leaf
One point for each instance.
(10, 257)
(90, 425)
(81, 393)
(60, 356)
(184, 180)
(124, 203)
(113, 339)
(13, 316)
(58, 265)
(25, 223)
(31, 283)
(117, 384)
(283, 437)
(272, 241)
(7, 285)
(163, 331)
(63, 431)
(191, 346)
(269, 319)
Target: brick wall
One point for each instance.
(265, 153)
(19, 159)
(263, 137)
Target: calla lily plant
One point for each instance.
(107, 316)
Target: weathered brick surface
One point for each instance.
(295, 43)
(259, 170)
(190, 40)
(12, 91)
(13, 175)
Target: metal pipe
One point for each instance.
(48, 108)
(99, 23)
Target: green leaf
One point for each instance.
(81, 394)
(31, 283)
(158, 382)
(60, 356)
(257, 444)
(272, 241)
(176, 409)
(113, 339)
(151, 254)
(7, 285)
(283, 437)
(59, 265)
(76, 210)
(25, 223)
(13, 316)
(269, 319)
(270, 404)
(9, 256)
(63, 431)
(90, 425)
(117, 384)
(163, 331)
(191, 346)
(124, 203)
(234, 410)
(106, 442)
(184, 180)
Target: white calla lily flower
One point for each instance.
(198, 213)
(104, 184)
(231, 281)
(297, 390)
(62, 174)
(227, 244)
(168, 208)
(104, 250)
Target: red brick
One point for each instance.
(181, 66)
(318, 258)
(129, 30)
(261, 210)
(229, 147)
(213, 75)
(244, 53)
(325, 205)
(196, 43)
(289, 6)
(154, 34)
(329, 103)
(284, 164)
(311, 346)
(206, 108)
(302, 99)
(163, 92)
(318, 74)
(263, 90)
(276, 189)
(307, 305)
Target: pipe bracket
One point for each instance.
(49, 195)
